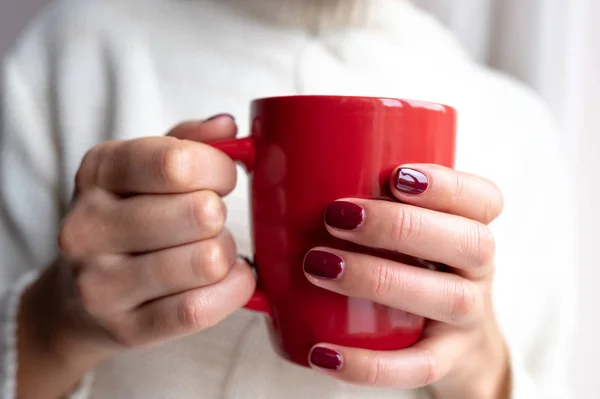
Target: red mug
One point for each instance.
(305, 152)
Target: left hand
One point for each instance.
(443, 218)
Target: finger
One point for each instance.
(192, 311)
(218, 127)
(163, 165)
(174, 270)
(423, 364)
(101, 224)
(452, 240)
(111, 284)
(446, 190)
(444, 297)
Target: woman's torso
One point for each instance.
(135, 68)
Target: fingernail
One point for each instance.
(410, 181)
(344, 215)
(219, 116)
(323, 264)
(326, 358)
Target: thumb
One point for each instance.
(218, 127)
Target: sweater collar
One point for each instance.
(314, 15)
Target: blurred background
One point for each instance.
(552, 45)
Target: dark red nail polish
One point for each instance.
(410, 181)
(326, 358)
(219, 116)
(344, 215)
(323, 264)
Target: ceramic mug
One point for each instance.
(303, 153)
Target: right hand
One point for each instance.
(144, 243)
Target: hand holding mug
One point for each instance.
(442, 217)
(351, 296)
(303, 153)
(144, 256)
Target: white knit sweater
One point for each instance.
(91, 70)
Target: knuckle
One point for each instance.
(81, 179)
(90, 166)
(383, 281)
(192, 314)
(499, 197)
(464, 302)
(478, 246)
(74, 238)
(494, 205)
(375, 372)
(89, 156)
(459, 186)
(121, 333)
(208, 212)
(489, 211)
(67, 239)
(92, 204)
(95, 283)
(209, 261)
(87, 292)
(406, 224)
(84, 175)
(431, 369)
(173, 167)
(165, 272)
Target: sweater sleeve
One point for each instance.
(30, 186)
(539, 316)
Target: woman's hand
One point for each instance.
(443, 218)
(144, 257)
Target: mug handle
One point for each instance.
(244, 151)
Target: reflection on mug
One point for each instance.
(366, 317)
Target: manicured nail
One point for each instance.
(323, 264)
(410, 181)
(344, 215)
(326, 358)
(219, 116)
